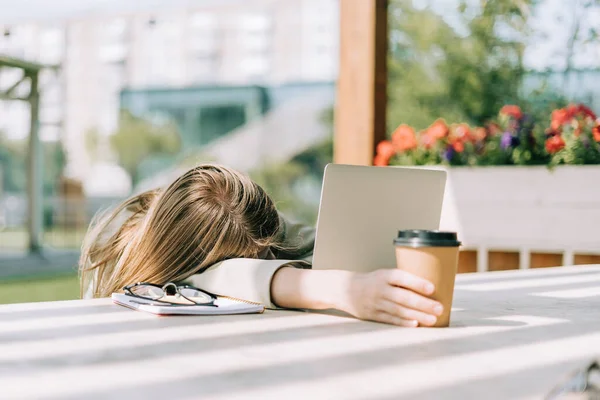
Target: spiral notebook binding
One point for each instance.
(241, 300)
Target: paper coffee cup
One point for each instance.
(431, 255)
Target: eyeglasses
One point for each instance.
(170, 293)
(584, 382)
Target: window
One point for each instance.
(203, 22)
(255, 67)
(255, 45)
(254, 22)
(50, 88)
(162, 43)
(113, 38)
(13, 41)
(52, 45)
(203, 33)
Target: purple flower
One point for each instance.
(506, 140)
(509, 140)
(449, 153)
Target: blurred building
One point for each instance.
(249, 42)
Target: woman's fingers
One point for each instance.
(399, 311)
(403, 279)
(410, 299)
(394, 320)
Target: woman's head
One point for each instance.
(209, 214)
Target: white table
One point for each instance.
(513, 335)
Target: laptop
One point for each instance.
(362, 209)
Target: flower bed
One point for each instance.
(528, 201)
(571, 137)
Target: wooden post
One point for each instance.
(360, 115)
(34, 170)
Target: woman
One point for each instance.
(215, 229)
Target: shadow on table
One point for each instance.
(571, 318)
(83, 329)
(241, 379)
(533, 382)
(186, 346)
(17, 316)
(469, 323)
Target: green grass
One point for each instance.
(26, 290)
(16, 239)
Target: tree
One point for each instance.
(136, 139)
(13, 154)
(460, 73)
(581, 32)
(13, 164)
(55, 161)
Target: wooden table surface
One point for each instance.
(513, 335)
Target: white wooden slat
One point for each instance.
(568, 258)
(524, 259)
(579, 293)
(582, 270)
(528, 283)
(416, 377)
(90, 320)
(482, 259)
(95, 377)
(48, 306)
(66, 346)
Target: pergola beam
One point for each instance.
(27, 66)
(8, 93)
(360, 115)
(35, 210)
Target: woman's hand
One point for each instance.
(391, 296)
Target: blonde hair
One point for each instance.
(209, 214)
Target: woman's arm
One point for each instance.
(391, 296)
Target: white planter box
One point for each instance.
(524, 209)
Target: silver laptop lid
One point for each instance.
(362, 209)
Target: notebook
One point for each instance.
(225, 306)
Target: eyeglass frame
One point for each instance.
(129, 292)
(576, 383)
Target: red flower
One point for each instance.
(459, 147)
(458, 136)
(380, 161)
(512, 111)
(572, 110)
(555, 144)
(462, 132)
(561, 117)
(427, 140)
(479, 134)
(385, 151)
(586, 111)
(565, 115)
(494, 129)
(596, 132)
(438, 130)
(404, 138)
